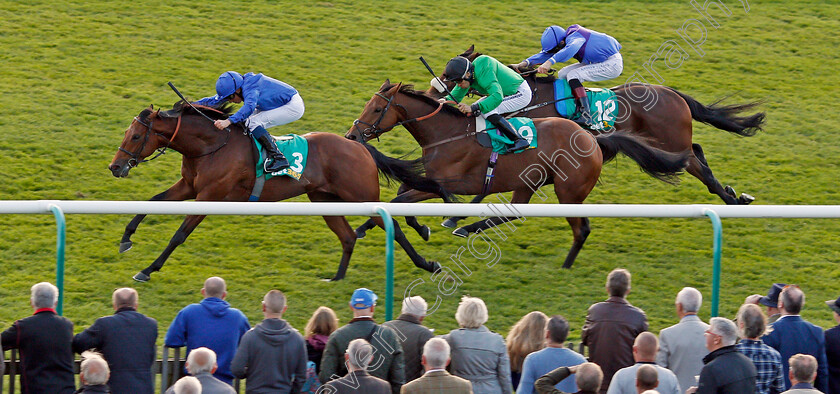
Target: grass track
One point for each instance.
(75, 73)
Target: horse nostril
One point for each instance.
(353, 137)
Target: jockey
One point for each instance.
(267, 103)
(504, 90)
(597, 54)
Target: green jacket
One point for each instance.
(387, 357)
(492, 79)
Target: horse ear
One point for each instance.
(469, 51)
(387, 83)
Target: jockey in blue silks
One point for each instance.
(597, 53)
(267, 103)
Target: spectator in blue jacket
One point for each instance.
(212, 324)
(127, 340)
(597, 55)
(267, 102)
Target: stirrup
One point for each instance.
(520, 143)
(276, 164)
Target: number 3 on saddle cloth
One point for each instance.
(487, 135)
(602, 105)
(296, 150)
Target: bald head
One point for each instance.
(645, 347)
(201, 360)
(791, 300)
(125, 297)
(589, 377)
(214, 287)
(647, 378)
(94, 370)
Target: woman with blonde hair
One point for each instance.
(318, 329)
(525, 337)
(478, 354)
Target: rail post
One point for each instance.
(716, 246)
(389, 262)
(61, 226)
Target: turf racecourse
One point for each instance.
(75, 73)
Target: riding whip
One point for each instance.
(189, 103)
(436, 77)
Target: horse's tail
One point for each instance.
(725, 117)
(409, 172)
(657, 163)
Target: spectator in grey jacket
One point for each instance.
(478, 354)
(201, 363)
(271, 356)
(411, 334)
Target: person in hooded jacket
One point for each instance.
(272, 356)
(213, 324)
(316, 333)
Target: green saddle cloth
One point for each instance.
(602, 105)
(296, 150)
(524, 126)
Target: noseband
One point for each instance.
(135, 159)
(373, 130)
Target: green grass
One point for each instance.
(74, 74)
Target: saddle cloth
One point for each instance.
(485, 130)
(296, 150)
(602, 105)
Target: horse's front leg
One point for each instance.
(187, 227)
(453, 221)
(407, 196)
(180, 191)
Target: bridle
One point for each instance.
(135, 159)
(373, 130)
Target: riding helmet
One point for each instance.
(227, 84)
(457, 69)
(551, 38)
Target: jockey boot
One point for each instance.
(507, 129)
(275, 161)
(579, 93)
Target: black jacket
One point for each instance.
(46, 356)
(727, 371)
(126, 340)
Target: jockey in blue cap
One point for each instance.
(267, 103)
(597, 53)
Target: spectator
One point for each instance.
(832, 348)
(681, 347)
(44, 341)
(588, 377)
(272, 356)
(647, 378)
(726, 371)
(358, 357)
(791, 335)
(318, 329)
(803, 371)
(767, 361)
(771, 301)
(412, 334)
(644, 352)
(187, 385)
(201, 363)
(554, 355)
(436, 380)
(478, 354)
(127, 340)
(525, 337)
(212, 324)
(93, 373)
(611, 326)
(387, 352)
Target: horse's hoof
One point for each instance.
(461, 232)
(745, 199)
(360, 234)
(730, 191)
(449, 223)
(425, 232)
(125, 246)
(333, 279)
(141, 277)
(435, 266)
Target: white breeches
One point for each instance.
(512, 103)
(608, 69)
(292, 111)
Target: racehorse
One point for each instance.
(663, 116)
(221, 166)
(568, 156)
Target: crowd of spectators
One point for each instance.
(772, 350)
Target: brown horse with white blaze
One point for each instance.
(567, 156)
(220, 166)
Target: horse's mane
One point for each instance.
(421, 95)
(222, 111)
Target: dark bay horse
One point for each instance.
(663, 116)
(567, 156)
(220, 166)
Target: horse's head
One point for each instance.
(378, 116)
(139, 142)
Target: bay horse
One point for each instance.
(570, 157)
(220, 166)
